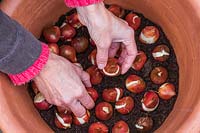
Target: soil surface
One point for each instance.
(164, 108)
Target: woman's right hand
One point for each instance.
(109, 33)
(61, 83)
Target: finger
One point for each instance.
(43, 87)
(86, 101)
(77, 108)
(122, 55)
(113, 49)
(77, 69)
(85, 78)
(78, 65)
(131, 52)
(102, 55)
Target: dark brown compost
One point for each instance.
(164, 108)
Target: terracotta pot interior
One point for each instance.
(180, 22)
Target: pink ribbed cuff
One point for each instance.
(32, 71)
(77, 3)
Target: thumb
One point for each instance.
(102, 56)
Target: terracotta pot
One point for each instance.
(181, 23)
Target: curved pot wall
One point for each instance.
(179, 20)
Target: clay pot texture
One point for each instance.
(180, 21)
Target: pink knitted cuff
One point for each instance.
(77, 3)
(32, 71)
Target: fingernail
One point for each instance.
(101, 66)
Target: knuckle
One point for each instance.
(67, 101)
(104, 44)
(50, 101)
(79, 112)
(101, 46)
(102, 58)
(58, 103)
(86, 76)
(130, 32)
(55, 102)
(77, 69)
(80, 93)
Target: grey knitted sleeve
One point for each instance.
(18, 48)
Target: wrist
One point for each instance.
(32, 71)
(90, 9)
(46, 67)
(79, 3)
(91, 13)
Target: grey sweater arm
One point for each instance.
(19, 49)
